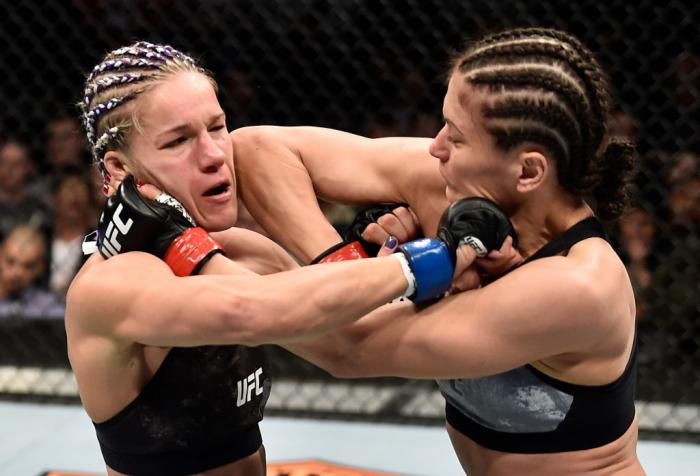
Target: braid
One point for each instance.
(617, 165)
(117, 81)
(519, 68)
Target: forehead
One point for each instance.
(13, 151)
(462, 102)
(179, 98)
(22, 249)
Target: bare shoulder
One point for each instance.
(579, 297)
(101, 289)
(254, 251)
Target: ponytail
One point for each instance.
(613, 190)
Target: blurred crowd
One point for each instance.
(50, 198)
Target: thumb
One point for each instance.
(388, 247)
(147, 190)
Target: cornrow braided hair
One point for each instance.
(546, 87)
(121, 76)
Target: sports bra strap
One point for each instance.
(589, 227)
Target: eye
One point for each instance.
(174, 143)
(216, 128)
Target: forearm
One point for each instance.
(291, 305)
(347, 352)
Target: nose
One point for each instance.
(210, 154)
(438, 147)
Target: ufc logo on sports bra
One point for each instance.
(110, 243)
(246, 387)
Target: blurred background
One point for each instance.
(373, 67)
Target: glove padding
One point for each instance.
(477, 222)
(129, 222)
(353, 245)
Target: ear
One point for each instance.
(533, 168)
(117, 167)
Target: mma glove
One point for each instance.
(476, 222)
(353, 245)
(130, 222)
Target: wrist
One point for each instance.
(432, 266)
(190, 251)
(408, 275)
(343, 251)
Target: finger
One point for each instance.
(388, 247)
(469, 279)
(465, 257)
(393, 226)
(409, 220)
(505, 250)
(149, 191)
(375, 234)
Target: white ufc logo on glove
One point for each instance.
(110, 243)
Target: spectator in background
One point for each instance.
(18, 204)
(65, 145)
(65, 154)
(74, 217)
(637, 231)
(673, 296)
(238, 87)
(22, 263)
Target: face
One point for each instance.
(21, 262)
(183, 147)
(470, 163)
(71, 199)
(64, 142)
(637, 225)
(14, 167)
(683, 201)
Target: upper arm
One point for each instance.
(135, 298)
(528, 315)
(281, 171)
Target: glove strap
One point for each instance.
(407, 273)
(344, 251)
(190, 251)
(431, 265)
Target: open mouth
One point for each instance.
(218, 190)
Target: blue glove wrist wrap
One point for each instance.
(432, 267)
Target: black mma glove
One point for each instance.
(130, 222)
(353, 245)
(476, 222)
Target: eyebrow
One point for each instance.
(452, 124)
(185, 127)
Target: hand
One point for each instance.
(500, 261)
(401, 223)
(354, 245)
(469, 228)
(130, 222)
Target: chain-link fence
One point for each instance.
(377, 67)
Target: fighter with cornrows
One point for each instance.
(162, 323)
(537, 367)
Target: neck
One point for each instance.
(541, 219)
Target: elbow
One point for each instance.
(250, 137)
(248, 322)
(344, 369)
